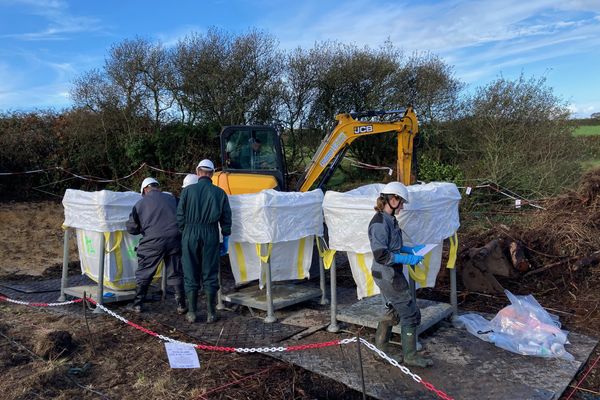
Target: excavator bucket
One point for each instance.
(482, 265)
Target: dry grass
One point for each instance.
(32, 237)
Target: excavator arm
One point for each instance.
(333, 147)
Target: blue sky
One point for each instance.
(44, 45)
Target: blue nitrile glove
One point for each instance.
(409, 259)
(224, 247)
(412, 250)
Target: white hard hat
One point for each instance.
(146, 182)
(190, 179)
(206, 165)
(396, 188)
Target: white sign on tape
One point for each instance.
(182, 356)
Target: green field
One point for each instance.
(587, 130)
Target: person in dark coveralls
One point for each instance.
(202, 208)
(154, 216)
(389, 255)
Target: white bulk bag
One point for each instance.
(286, 220)
(430, 216)
(104, 213)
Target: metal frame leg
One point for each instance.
(220, 305)
(270, 314)
(65, 270)
(333, 326)
(163, 284)
(100, 295)
(413, 292)
(324, 300)
(453, 294)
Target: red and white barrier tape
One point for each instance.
(27, 303)
(221, 348)
(93, 178)
(360, 164)
(369, 345)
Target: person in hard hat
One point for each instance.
(389, 256)
(154, 217)
(189, 179)
(202, 208)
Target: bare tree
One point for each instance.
(227, 79)
(157, 73)
(298, 94)
(123, 67)
(357, 79)
(427, 83)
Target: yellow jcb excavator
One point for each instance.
(253, 157)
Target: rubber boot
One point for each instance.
(192, 299)
(138, 300)
(180, 300)
(384, 329)
(409, 349)
(211, 310)
(383, 335)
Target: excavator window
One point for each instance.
(251, 150)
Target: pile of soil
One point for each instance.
(562, 243)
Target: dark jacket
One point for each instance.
(204, 204)
(154, 216)
(385, 237)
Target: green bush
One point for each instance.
(430, 170)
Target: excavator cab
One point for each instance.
(252, 159)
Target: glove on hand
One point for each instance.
(412, 250)
(409, 259)
(224, 247)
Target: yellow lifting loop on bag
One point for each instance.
(264, 259)
(300, 264)
(369, 282)
(118, 239)
(241, 261)
(453, 250)
(419, 274)
(328, 258)
(118, 259)
(326, 255)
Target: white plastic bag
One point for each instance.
(523, 327)
(475, 325)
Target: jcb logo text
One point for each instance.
(363, 129)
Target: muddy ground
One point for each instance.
(107, 359)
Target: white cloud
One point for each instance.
(55, 95)
(584, 109)
(440, 27)
(478, 38)
(36, 82)
(60, 22)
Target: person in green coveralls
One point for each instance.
(202, 208)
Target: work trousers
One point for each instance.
(151, 252)
(395, 289)
(200, 255)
